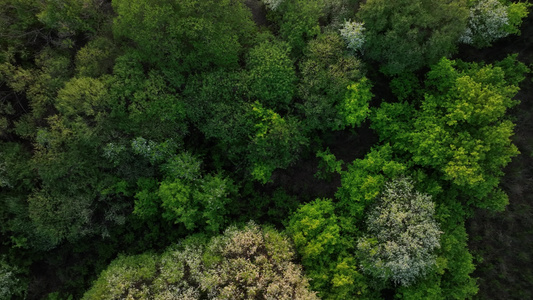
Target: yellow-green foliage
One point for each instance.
(460, 128)
(365, 178)
(355, 107)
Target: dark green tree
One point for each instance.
(182, 37)
(404, 36)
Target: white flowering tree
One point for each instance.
(353, 34)
(272, 4)
(490, 20)
(402, 235)
(248, 263)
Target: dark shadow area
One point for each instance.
(502, 243)
(258, 12)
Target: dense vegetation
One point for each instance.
(274, 149)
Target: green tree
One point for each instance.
(72, 17)
(402, 235)
(298, 22)
(144, 105)
(182, 37)
(271, 74)
(364, 180)
(319, 239)
(326, 71)
(407, 35)
(356, 104)
(96, 58)
(196, 204)
(461, 128)
(12, 284)
(276, 143)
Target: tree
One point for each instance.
(353, 34)
(326, 71)
(272, 4)
(276, 142)
(461, 129)
(200, 203)
(491, 20)
(324, 247)
(71, 17)
(402, 235)
(96, 58)
(356, 105)
(299, 22)
(12, 284)
(364, 180)
(241, 264)
(182, 37)
(407, 35)
(271, 74)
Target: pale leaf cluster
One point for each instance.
(272, 4)
(403, 235)
(353, 34)
(487, 22)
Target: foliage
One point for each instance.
(272, 4)
(72, 16)
(328, 164)
(491, 20)
(326, 71)
(300, 22)
(276, 143)
(200, 203)
(355, 107)
(272, 77)
(96, 58)
(404, 36)
(353, 34)
(319, 240)
(364, 179)
(126, 126)
(12, 284)
(181, 37)
(241, 264)
(516, 13)
(460, 129)
(145, 105)
(82, 96)
(402, 235)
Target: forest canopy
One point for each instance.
(254, 149)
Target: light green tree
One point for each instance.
(461, 128)
(324, 247)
